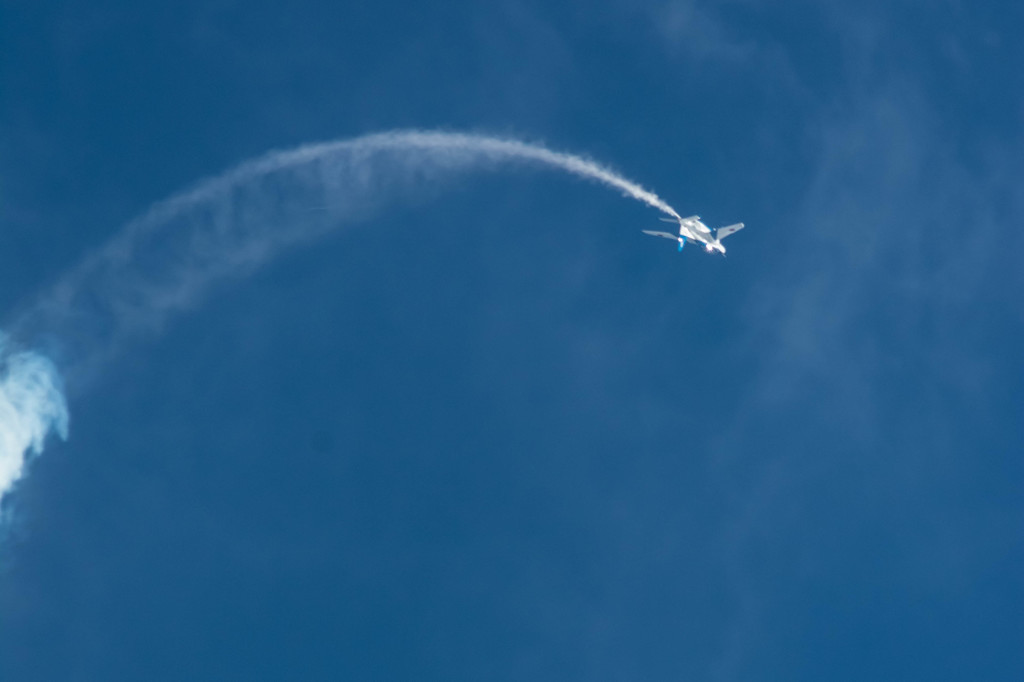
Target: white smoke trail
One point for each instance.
(163, 261)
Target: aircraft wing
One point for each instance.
(666, 235)
(724, 232)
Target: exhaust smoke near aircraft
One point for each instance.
(165, 261)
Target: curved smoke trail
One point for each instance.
(163, 261)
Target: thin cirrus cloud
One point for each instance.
(876, 328)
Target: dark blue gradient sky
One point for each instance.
(496, 433)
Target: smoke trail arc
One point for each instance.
(163, 261)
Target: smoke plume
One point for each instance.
(162, 262)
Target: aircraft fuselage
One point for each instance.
(692, 229)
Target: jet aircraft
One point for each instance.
(692, 229)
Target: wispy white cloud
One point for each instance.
(701, 35)
(883, 281)
(696, 29)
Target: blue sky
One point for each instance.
(493, 432)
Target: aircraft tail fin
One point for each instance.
(724, 232)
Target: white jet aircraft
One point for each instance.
(692, 229)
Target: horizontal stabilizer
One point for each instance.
(724, 232)
(666, 235)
